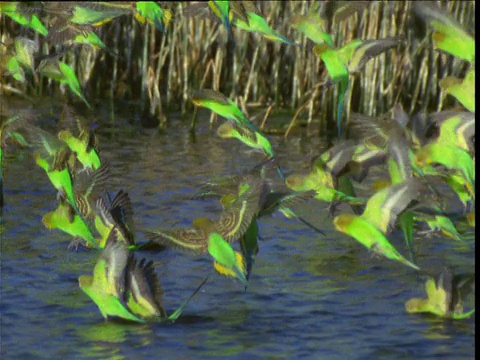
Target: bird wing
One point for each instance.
(384, 207)
(190, 240)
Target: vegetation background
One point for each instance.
(155, 71)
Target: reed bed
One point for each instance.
(157, 70)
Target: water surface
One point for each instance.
(309, 296)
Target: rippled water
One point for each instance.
(309, 296)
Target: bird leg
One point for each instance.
(76, 243)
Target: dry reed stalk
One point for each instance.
(261, 70)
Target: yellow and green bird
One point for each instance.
(25, 13)
(350, 59)
(86, 13)
(325, 177)
(116, 217)
(455, 128)
(222, 9)
(18, 57)
(221, 105)
(363, 158)
(87, 187)
(108, 284)
(452, 158)
(84, 151)
(227, 262)
(257, 24)
(313, 26)
(76, 22)
(143, 292)
(459, 185)
(151, 12)
(443, 297)
(232, 224)
(62, 72)
(63, 31)
(380, 216)
(400, 169)
(64, 218)
(249, 137)
(453, 147)
(449, 35)
(462, 89)
(240, 128)
(53, 156)
(440, 223)
(126, 288)
(249, 247)
(226, 189)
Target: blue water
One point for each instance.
(309, 296)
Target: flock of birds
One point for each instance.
(424, 155)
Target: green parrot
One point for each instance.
(98, 14)
(451, 157)
(86, 154)
(226, 187)
(222, 10)
(86, 13)
(232, 224)
(61, 178)
(458, 184)
(249, 247)
(443, 297)
(24, 13)
(400, 169)
(64, 218)
(75, 22)
(19, 56)
(126, 288)
(362, 159)
(221, 105)
(441, 223)
(350, 59)
(107, 285)
(143, 292)
(60, 71)
(380, 216)
(117, 217)
(151, 12)
(456, 129)
(313, 27)
(86, 188)
(249, 137)
(462, 89)
(283, 201)
(63, 31)
(449, 35)
(235, 223)
(240, 128)
(227, 261)
(52, 155)
(256, 23)
(324, 178)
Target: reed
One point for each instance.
(157, 70)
